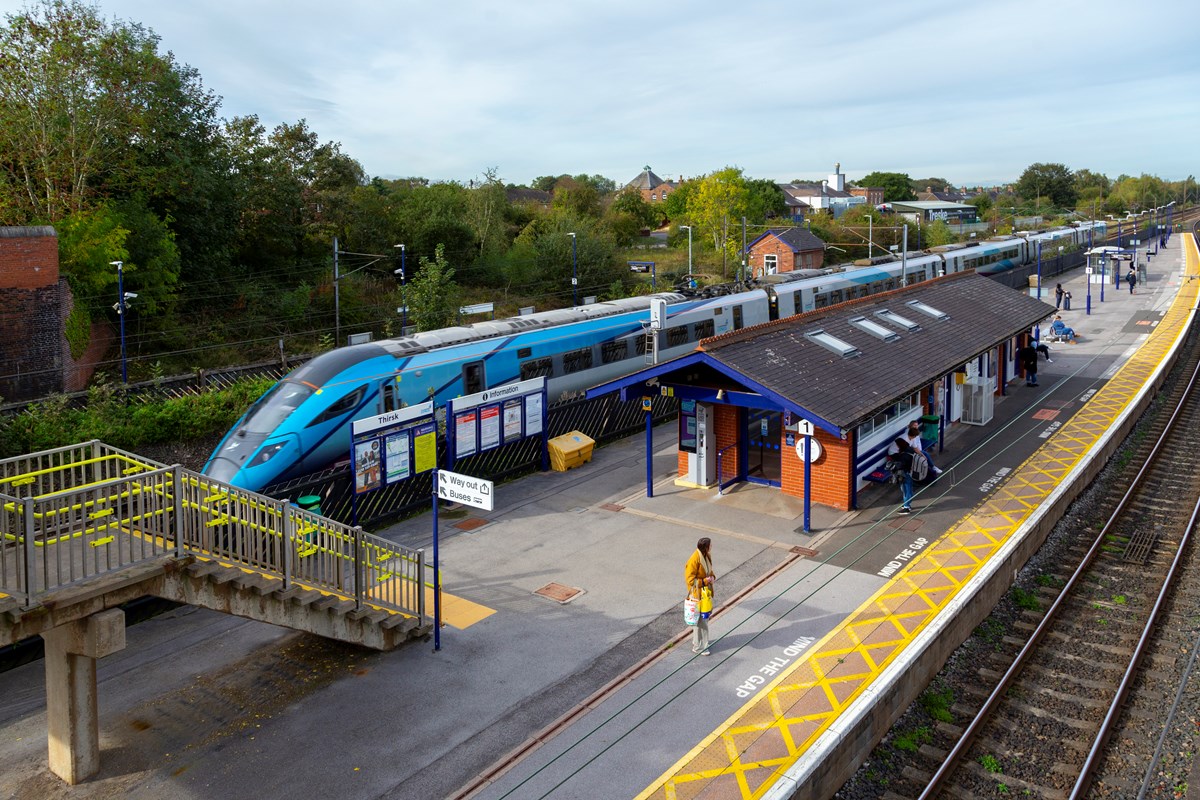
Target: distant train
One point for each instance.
(302, 424)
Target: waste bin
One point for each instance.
(570, 450)
(310, 502)
(929, 428)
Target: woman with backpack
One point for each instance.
(901, 463)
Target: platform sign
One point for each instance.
(384, 447)
(501, 415)
(455, 487)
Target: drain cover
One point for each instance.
(559, 593)
(471, 523)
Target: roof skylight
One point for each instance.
(897, 320)
(927, 310)
(874, 328)
(831, 342)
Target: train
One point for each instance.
(302, 423)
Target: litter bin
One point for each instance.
(929, 428)
(310, 502)
(570, 450)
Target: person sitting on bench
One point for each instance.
(1061, 330)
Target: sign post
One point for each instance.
(456, 488)
(805, 429)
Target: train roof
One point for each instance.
(446, 337)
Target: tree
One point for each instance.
(896, 186)
(486, 208)
(433, 296)
(1054, 182)
(718, 202)
(930, 185)
(764, 200)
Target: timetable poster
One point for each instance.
(425, 447)
(464, 434)
(512, 420)
(489, 427)
(396, 457)
(366, 466)
(533, 414)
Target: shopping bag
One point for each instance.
(705, 603)
(691, 611)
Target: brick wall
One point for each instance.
(830, 476)
(786, 259)
(31, 333)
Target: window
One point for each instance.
(677, 336)
(897, 320)
(704, 329)
(614, 351)
(770, 264)
(473, 378)
(927, 310)
(341, 407)
(874, 328)
(831, 342)
(390, 401)
(537, 368)
(577, 360)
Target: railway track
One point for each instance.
(1090, 689)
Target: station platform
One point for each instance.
(580, 682)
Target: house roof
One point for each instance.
(930, 205)
(802, 190)
(645, 180)
(782, 362)
(523, 195)
(799, 239)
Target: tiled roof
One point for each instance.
(846, 391)
(799, 239)
(646, 180)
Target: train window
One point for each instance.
(577, 360)
(889, 284)
(524, 352)
(704, 329)
(537, 368)
(737, 318)
(390, 399)
(835, 297)
(341, 407)
(614, 351)
(640, 344)
(821, 300)
(473, 378)
(677, 336)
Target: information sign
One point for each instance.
(458, 488)
(512, 420)
(499, 416)
(489, 428)
(382, 446)
(533, 414)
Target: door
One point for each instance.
(764, 434)
(473, 378)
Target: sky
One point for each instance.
(972, 92)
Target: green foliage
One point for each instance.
(433, 296)
(937, 233)
(990, 763)
(930, 184)
(717, 205)
(896, 185)
(1026, 599)
(936, 702)
(1050, 184)
(127, 425)
(676, 204)
(87, 241)
(911, 741)
(78, 330)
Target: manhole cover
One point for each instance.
(471, 524)
(559, 593)
(906, 524)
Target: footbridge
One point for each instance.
(86, 528)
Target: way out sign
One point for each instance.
(458, 488)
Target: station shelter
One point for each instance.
(846, 379)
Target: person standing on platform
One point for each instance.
(1131, 278)
(902, 465)
(1058, 295)
(698, 575)
(913, 436)
(1027, 357)
(1066, 301)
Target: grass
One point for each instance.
(1026, 599)
(937, 701)
(990, 763)
(911, 741)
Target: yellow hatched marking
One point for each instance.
(755, 746)
(457, 611)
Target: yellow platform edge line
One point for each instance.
(931, 552)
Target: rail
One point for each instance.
(76, 513)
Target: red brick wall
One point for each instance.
(28, 258)
(31, 332)
(831, 474)
(785, 258)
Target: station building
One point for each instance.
(854, 375)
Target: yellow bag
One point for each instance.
(705, 603)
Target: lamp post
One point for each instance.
(689, 230)
(574, 271)
(120, 307)
(1039, 285)
(403, 296)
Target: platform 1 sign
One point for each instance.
(458, 488)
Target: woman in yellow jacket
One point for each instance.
(699, 574)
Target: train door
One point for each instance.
(764, 434)
(391, 397)
(474, 377)
(737, 318)
(773, 309)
